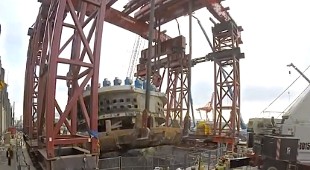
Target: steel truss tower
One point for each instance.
(226, 57)
(177, 91)
(83, 64)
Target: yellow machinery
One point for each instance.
(203, 128)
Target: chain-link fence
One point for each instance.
(172, 162)
(208, 158)
(110, 163)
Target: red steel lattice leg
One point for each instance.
(227, 79)
(32, 77)
(83, 67)
(177, 89)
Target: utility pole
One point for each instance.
(146, 111)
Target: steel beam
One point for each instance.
(177, 8)
(168, 10)
(166, 47)
(217, 10)
(133, 5)
(131, 24)
(124, 21)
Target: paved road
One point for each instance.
(23, 158)
(4, 160)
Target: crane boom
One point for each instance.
(301, 73)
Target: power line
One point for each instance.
(285, 110)
(284, 90)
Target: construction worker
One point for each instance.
(273, 122)
(9, 154)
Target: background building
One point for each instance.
(6, 113)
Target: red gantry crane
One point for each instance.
(208, 107)
(43, 74)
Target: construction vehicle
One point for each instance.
(293, 127)
(281, 136)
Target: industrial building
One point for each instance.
(6, 114)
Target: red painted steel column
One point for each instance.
(83, 67)
(226, 56)
(31, 78)
(27, 102)
(177, 88)
(52, 56)
(94, 89)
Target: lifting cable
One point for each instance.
(284, 90)
(178, 26)
(285, 110)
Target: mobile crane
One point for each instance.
(301, 73)
(295, 123)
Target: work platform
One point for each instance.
(67, 157)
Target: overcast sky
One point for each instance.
(275, 34)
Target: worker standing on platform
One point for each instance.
(9, 154)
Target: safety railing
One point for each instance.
(110, 163)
